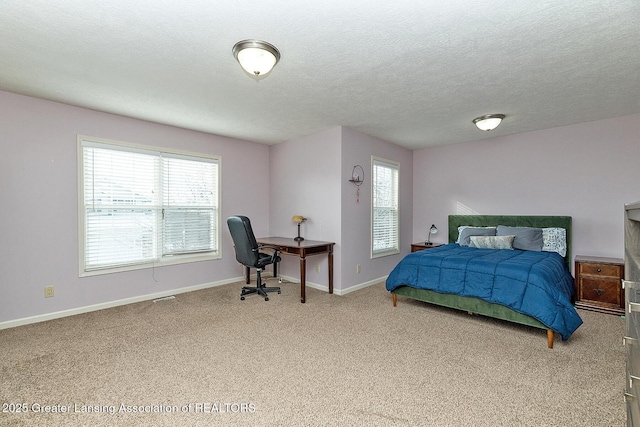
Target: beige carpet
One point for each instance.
(351, 360)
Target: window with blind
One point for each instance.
(143, 206)
(384, 208)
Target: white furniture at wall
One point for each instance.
(632, 311)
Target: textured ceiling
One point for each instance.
(412, 72)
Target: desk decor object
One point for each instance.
(357, 178)
(298, 219)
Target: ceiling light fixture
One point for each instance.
(256, 57)
(488, 122)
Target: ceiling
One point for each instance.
(411, 72)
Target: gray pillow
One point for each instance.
(467, 232)
(527, 238)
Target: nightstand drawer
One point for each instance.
(601, 290)
(600, 270)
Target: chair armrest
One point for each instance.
(275, 249)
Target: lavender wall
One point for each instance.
(588, 171)
(38, 214)
(305, 180)
(357, 149)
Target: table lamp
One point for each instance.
(432, 230)
(298, 219)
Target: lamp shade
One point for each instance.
(299, 219)
(256, 57)
(488, 122)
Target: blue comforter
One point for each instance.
(537, 284)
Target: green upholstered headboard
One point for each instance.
(513, 221)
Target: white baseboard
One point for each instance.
(360, 286)
(95, 307)
(110, 304)
(325, 288)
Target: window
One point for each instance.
(384, 208)
(141, 206)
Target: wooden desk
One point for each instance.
(302, 249)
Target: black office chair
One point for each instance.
(248, 254)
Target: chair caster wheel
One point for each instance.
(241, 298)
(278, 292)
(266, 299)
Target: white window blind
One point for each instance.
(142, 205)
(189, 211)
(384, 210)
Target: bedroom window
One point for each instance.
(384, 208)
(141, 206)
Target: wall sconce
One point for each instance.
(488, 122)
(357, 177)
(298, 219)
(432, 230)
(256, 57)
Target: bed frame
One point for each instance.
(478, 306)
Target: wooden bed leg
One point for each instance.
(549, 338)
(395, 300)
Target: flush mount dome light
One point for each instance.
(256, 57)
(488, 122)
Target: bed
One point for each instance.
(529, 287)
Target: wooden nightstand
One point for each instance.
(598, 284)
(415, 247)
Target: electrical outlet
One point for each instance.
(317, 269)
(48, 291)
(358, 268)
